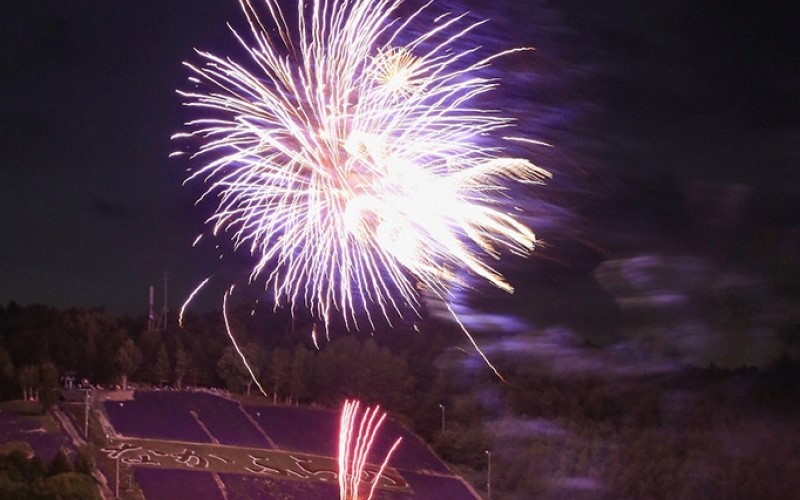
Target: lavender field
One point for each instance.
(182, 416)
(240, 487)
(29, 429)
(290, 429)
(170, 484)
(227, 436)
(413, 453)
(306, 430)
(153, 415)
(436, 487)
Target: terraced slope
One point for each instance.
(198, 445)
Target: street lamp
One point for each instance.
(110, 440)
(441, 406)
(86, 416)
(489, 475)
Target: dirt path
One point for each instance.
(77, 441)
(66, 425)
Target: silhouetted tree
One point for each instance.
(183, 362)
(84, 460)
(300, 373)
(48, 385)
(60, 464)
(233, 371)
(127, 360)
(29, 382)
(6, 373)
(279, 370)
(161, 367)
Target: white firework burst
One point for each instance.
(350, 159)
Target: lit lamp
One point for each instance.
(489, 475)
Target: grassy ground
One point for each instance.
(32, 409)
(20, 407)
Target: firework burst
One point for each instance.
(349, 158)
(357, 434)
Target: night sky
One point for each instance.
(642, 100)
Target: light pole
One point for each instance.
(86, 417)
(116, 470)
(116, 480)
(443, 414)
(489, 475)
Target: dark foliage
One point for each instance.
(29, 478)
(60, 464)
(685, 432)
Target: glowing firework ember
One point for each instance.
(356, 437)
(349, 157)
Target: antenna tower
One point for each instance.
(164, 312)
(151, 315)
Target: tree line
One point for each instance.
(40, 344)
(689, 433)
(27, 477)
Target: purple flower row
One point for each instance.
(168, 415)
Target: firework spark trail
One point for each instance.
(236, 344)
(472, 340)
(354, 448)
(354, 167)
(189, 299)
